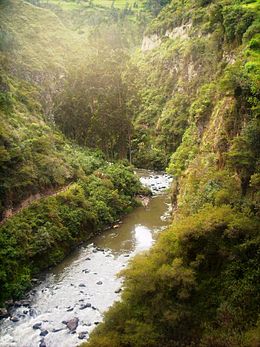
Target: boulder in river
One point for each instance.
(99, 283)
(14, 319)
(44, 333)
(82, 335)
(32, 312)
(83, 306)
(37, 326)
(72, 324)
(117, 291)
(82, 285)
(42, 343)
(22, 303)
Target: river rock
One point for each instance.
(72, 324)
(82, 335)
(100, 249)
(20, 315)
(3, 313)
(37, 326)
(82, 285)
(116, 226)
(20, 303)
(87, 324)
(42, 343)
(32, 312)
(118, 291)
(14, 319)
(99, 283)
(56, 330)
(83, 306)
(44, 333)
(88, 258)
(96, 323)
(69, 309)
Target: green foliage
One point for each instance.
(92, 108)
(184, 153)
(243, 156)
(200, 286)
(236, 21)
(41, 235)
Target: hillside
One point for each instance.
(81, 98)
(199, 285)
(36, 159)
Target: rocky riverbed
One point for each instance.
(70, 300)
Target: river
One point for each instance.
(85, 284)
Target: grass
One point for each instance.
(96, 4)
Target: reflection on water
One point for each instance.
(85, 284)
(122, 239)
(143, 238)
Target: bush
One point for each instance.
(44, 233)
(197, 286)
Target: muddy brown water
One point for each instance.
(85, 284)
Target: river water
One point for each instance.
(85, 284)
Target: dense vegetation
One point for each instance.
(199, 285)
(189, 101)
(37, 159)
(42, 234)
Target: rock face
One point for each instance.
(150, 42)
(72, 324)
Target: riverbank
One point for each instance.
(84, 285)
(42, 234)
